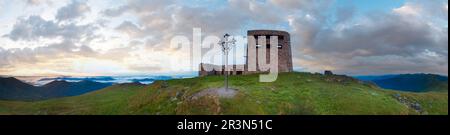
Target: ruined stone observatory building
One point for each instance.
(284, 55)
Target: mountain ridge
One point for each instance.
(14, 89)
(418, 82)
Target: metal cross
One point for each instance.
(226, 43)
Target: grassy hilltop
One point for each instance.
(292, 93)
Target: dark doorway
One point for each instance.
(238, 72)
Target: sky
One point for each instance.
(132, 37)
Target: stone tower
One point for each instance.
(284, 48)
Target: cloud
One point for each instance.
(427, 9)
(297, 4)
(344, 14)
(39, 2)
(147, 6)
(34, 2)
(445, 7)
(34, 27)
(27, 56)
(114, 12)
(391, 42)
(261, 12)
(392, 36)
(159, 21)
(72, 11)
(408, 9)
(130, 29)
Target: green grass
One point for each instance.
(291, 94)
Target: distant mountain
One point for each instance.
(64, 88)
(410, 82)
(371, 78)
(14, 89)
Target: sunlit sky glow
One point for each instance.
(127, 37)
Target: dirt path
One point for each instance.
(220, 92)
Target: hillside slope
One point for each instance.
(292, 93)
